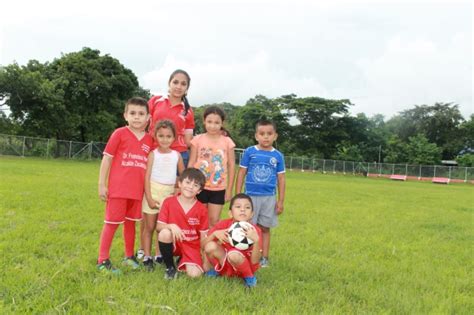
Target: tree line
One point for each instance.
(80, 96)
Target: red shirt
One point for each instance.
(224, 225)
(127, 172)
(191, 223)
(160, 108)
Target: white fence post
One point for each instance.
(23, 149)
(302, 164)
(70, 148)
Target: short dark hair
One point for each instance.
(240, 196)
(166, 124)
(265, 122)
(214, 110)
(139, 101)
(193, 174)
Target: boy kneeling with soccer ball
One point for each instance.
(232, 246)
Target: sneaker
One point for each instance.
(264, 262)
(250, 282)
(211, 273)
(140, 254)
(171, 273)
(149, 264)
(158, 260)
(106, 267)
(131, 262)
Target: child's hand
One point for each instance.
(251, 233)
(103, 192)
(279, 207)
(153, 204)
(228, 195)
(178, 234)
(222, 236)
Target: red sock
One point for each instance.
(129, 237)
(244, 269)
(106, 237)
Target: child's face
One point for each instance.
(178, 85)
(241, 210)
(165, 137)
(189, 188)
(136, 117)
(265, 136)
(213, 124)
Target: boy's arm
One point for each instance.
(177, 233)
(240, 180)
(103, 176)
(230, 174)
(192, 156)
(281, 193)
(149, 166)
(220, 235)
(255, 236)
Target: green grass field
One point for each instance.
(344, 245)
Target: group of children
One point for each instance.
(184, 205)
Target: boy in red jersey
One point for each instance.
(182, 225)
(227, 260)
(121, 181)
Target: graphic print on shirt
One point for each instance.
(262, 172)
(211, 164)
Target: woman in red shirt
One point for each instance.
(176, 108)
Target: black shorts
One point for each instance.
(212, 196)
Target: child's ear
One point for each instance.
(230, 214)
(276, 136)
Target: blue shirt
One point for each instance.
(263, 168)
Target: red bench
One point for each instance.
(398, 177)
(440, 180)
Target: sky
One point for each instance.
(384, 56)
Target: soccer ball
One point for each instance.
(237, 236)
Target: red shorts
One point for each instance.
(227, 270)
(190, 254)
(118, 210)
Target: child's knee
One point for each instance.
(193, 271)
(165, 235)
(211, 247)
(235, 258)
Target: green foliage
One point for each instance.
(466, 160)
(420, 151)
(79, 96)
(439, 123)
(344, 245)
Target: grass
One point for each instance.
(344, 245)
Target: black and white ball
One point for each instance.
(237, 236)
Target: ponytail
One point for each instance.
(186, 105)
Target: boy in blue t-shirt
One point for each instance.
(264, 170)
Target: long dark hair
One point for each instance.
(184, 99)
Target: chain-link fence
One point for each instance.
(51, 148)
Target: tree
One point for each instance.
(320, 127)
(421, 151)
(79, 96)
(438, 123)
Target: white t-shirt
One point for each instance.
(165, 167)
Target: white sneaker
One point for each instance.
(140, 254)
